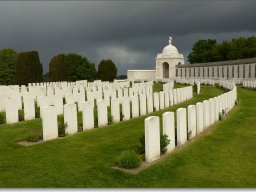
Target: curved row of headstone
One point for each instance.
(190, 121)
(249, 84)
(131, 107)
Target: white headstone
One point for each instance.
(150, 103)
(156, 101)
(11, 108)
(216, 109)
(161, 96)
(49, 122)
(70, 99)
(206, 114)
(171, 97)
(44, 102)
(88, 115)
(212, 111)
(115, 110)
(152, 138)
(166, 99)
(169, 129)
(198, 86)
(199, 117)
(70, 118)
(143, 105)
(192, 120)
(175, 97)
(178, 93)
(126, 112)
(29, 108)
(135, 106)
(181, 126)
(58, 103)
(102, 113)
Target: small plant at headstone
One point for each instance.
(195, 88)
(110, 119)
(121, 116)
(96, 121)
(164, 142)
(34, 138)
(189, 134)
(2, 121)
(62, 128)
(37, 112)
(128, 159)
(21, 116)
(222, 115)
(80, 127)
(141, 146)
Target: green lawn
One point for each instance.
(225, 157)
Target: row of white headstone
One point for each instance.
(13, 104)
(18, 93)
(249, 84)
(189, 122)
(140, 105)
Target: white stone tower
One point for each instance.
(167, 60)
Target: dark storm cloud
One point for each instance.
(130, 33)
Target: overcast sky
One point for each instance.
(130, 33)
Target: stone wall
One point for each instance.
(238, 69)
(141, 74)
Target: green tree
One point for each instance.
(29, 69)
(107, 70)
(209, 50)
(79, 68)
(57, 68)
(8, 58)
(203, 51)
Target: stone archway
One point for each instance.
(165, 70)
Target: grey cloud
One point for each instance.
(130, 33)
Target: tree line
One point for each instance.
(210, 51)
(25, 67)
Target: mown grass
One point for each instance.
(225, 157)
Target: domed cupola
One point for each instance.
(167, 60)
(170, 51)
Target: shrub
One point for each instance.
(34, 138)
(121, 116)
(62, 128)
(37, 112)
(140, 148)
(128, 159)
(110, 119)
(21, 116)
(164, 142)
(2, 121)
(195, 88)
(189, 135)
(222, 115)
(96, 121)
(80, 127)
